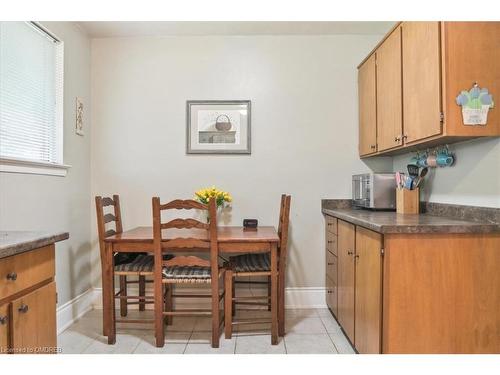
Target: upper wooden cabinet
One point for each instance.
(367, 107)
(420, 68)
(422, 80)
(389, 93)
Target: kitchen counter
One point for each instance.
(435, 221)
(16, 242)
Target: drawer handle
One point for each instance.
(12, 276)
(23, 308)
(330, 224)
(329, 291)
(349, 252)
(330, 241)
(4, 319)
(331, 264)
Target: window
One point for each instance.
(31, 97)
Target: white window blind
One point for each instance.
(31, 93)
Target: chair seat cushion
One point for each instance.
(186, 273)
(142, 263)
(250, 263)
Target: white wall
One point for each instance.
(474, 179)
(304, 128)
(49, 203)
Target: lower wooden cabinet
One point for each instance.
(4, 328)
(368, 300)
(28, 307)
(346, 243)
(34, 321)
(416, 293)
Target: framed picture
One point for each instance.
(218, 127)
(79, 116)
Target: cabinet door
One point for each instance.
(368, 307)
(345, 287)
(421, 80)
(367, 107)
(34, 320)
(389, 93)
(4, 328)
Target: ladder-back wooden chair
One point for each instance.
(258, 265)
(125, 264)
(200, 238)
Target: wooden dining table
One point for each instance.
(231, 240)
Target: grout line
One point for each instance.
(328, 333)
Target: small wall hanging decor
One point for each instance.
(79, 116)
(475, 105)
(218, 127)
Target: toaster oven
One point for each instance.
(374, 190)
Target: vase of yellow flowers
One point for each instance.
(221, 197)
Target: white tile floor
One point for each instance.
(309, 331)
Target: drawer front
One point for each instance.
(22, 271)
(331, 242)
(4, 328)
(331, 295)
(331, 224)
(331, 266)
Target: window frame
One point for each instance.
(29, 166)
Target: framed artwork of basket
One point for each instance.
(218, 127)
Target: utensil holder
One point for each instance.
(408, 201)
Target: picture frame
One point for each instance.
(218, 127)
(79, 116)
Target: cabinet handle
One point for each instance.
(329, 291)
(330, 264)
(12, 276)
(4, 319)
(330, 241)
(356, 256)
(349, 252)
(23, 308)
(329, 224)
(404, 137)
(373, 147)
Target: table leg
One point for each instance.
(274, 294)
(109, 281)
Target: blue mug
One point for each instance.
(444, 159)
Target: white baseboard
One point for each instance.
(69, 312)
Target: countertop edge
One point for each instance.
(473, 227)
(23, 247)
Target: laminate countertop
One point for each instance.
(392, 222)
(16, 242)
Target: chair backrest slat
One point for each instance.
(181, 204)
(109, 232)
(183, 243)
(106, 201)
(108, 218)
(184, 223)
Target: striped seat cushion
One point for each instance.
(185, 273)
(250, 263)
(143, 263)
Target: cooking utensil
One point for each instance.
(413, 171)
(420, 178)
